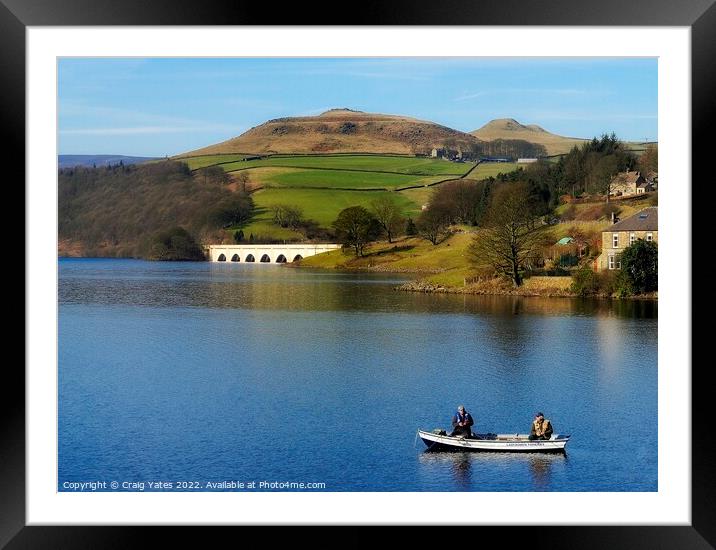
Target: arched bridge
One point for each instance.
(265, 253)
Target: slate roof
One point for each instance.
(627, 177)
(644, 220)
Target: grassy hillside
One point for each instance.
(319, 205)
(337, 179)
(342, 130)
(322, 185)
(508, 128)
(365, 163)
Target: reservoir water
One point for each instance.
(199, 372)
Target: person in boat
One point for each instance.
(461, 423)
(541, 427)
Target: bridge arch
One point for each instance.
(267, 253)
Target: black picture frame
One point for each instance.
(699, 15)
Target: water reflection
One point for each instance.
(468, 471)
(183, 360)
(278, 287)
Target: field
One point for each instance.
(210, 160)
(322, 185)
(364, 163)
(491, 169)
(316, 204)
(336, 179)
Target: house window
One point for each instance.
(618, 261)
(649, 237)
(615, 240)
(611, 262)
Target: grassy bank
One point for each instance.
(446, 267)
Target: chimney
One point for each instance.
(614, 218)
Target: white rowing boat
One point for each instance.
(438, 440)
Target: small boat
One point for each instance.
(438, 440)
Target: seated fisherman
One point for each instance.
(541, 427)
(461, 422)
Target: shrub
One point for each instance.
(175, 244)
(585, 282)
(640, 266)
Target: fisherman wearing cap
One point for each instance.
(541, 427)
(461, 422)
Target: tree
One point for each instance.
(649, 160)
(286, 215)
(235, 210)
(410, 228)
(604, 171)
(432, 225)
(388, 215)
(238, 236)
(242, 178)
(356, 227)
(640, 264)
(212, 175)
(510, 238)
(175, 244)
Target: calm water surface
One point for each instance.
(203, 372)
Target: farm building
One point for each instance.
(526, 160)
(642, 225)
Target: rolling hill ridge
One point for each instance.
(509, 128)
(343, 131)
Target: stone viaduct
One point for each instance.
(265, 253)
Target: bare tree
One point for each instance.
(432, 225)
(286, 215)
(388, 215)
(242, 178)
(510, 238)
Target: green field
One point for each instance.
(323, 185)
(491, 169)
(324, 206)
(209, 160)
(367, 163)
(337, 179)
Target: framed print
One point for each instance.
(262, 272)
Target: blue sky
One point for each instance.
(157, 107)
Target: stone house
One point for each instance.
(628, 183)
(616, 237)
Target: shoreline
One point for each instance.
(485, 290)
(492, 287)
